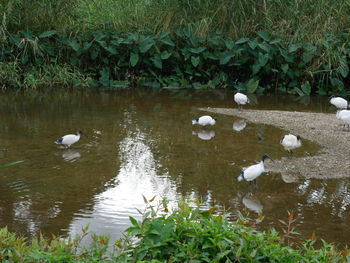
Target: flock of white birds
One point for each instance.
(288, 141)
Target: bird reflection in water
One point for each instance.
(204, 134)
(239, 125)
(251, 202)
(71, 156)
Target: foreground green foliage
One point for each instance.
(185, 235)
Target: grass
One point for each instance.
(286, 20)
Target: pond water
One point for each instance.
(142, 143)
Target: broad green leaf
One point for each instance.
(134, 221)
(146, 45)
(157, 61)
(344, 69)
(229, 44)
(197, 50)
(165, 55)
(306, 88)
(307, 57)
(252, 85)
(294, 47)
(264, 35)
(252, 44)
(225, 57)
(256, 68)
(134, 58)
(120, 84)
(74, 44)
(285, 68)
(168, 42)
(263, 59)
(242, 41)
(48, 34)
(195, 61)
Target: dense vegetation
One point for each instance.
(185, 235)
(258, 46)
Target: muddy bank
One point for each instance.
(334, 159)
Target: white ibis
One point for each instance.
(241, 99)
(69, 139)
(339, 102)
(290, 142)
(254, 171)
(204, 120)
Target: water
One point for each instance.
(141, 143)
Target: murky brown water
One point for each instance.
(142, 143)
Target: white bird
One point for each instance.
(254, 171)
(205, 135)
(241, 99)
(344, 116)
(290, 142)
(204, 121)
(339, 102)
(69, 139)
(239, 125)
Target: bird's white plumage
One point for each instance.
(204, 121)
(344, 116)
(290, 142)
(252, 172)
(339, 102)
(241, 99)
(69, 139)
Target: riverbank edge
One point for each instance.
(321, 128)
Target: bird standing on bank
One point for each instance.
(241, 99)
(339, 102)
(69, 139)
(344, 116)
(290, 142)
(254, 171)
(204, 120)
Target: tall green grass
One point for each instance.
(294, 21)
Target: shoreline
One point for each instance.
(321, 128)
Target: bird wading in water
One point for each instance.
(69, 139)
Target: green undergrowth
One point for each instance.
(187, 234)
(175, 59)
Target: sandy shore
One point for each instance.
(324, 129)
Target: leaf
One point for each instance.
(157, 61)
(252, 44)
(294, 47)
(256, 68)
(264, 35)
(10, 164)
(134, 221)
(165, 55)
(146, 45)
(306, 88)
(229, 44)
(307, 56)
(242, 41)
(344, 69)
(168, 42)
(74, 44)
(225, 57)
(197, 50)
(285, 68)
(134, 58)
(120, 84)
(195, 61)
(252, 85)
(48, 34)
